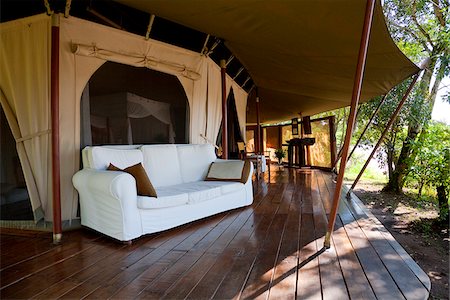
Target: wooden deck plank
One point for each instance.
(110, 287)
(284, 280)
(414, 267)
(38, 282)
(258, 280)
(11, 275)
(169, 278)
(357, 283)
(185, 285)
(332, 280)
(234, 282)
(382, 283)
(410, 286)
(80, 282)
(207, 286)
(308, 280)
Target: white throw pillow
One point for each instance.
(230, 171)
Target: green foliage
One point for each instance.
(432, 162)
(280, 154)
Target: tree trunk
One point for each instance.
(390, 161)
(443, 203)
(415, 126)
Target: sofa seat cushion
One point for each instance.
(166, 198)
(227, 187)
(199, 191)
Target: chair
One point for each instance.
(260, 160)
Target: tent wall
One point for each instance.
(84, 47)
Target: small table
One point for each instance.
(296, 151)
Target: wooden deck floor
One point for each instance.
(271, 249)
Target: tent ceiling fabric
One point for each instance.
(301, 54)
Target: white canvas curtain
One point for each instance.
(25, 99)
(214, 104)
(240, 97)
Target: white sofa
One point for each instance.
(109, 202)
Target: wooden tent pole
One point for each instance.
(223, 72)
(258, 148)
(357, 86)
(367, 125)
(386, 129)
(54, 99)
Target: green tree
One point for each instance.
(431, 164)
(421, 29)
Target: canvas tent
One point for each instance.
(301, 54)
(84, 47)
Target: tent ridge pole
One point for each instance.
(223, 73)
(357, 86)
(386, 129)
(54, 104)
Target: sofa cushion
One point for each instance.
(102, 157)
(196, 191)
(164, 200)
(195, 160)
(161, 164)
(229, 170)
(227, 187)
(143, 185)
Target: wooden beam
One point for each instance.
(356, 94)
(223, 72)
(386, 129)
(258, 148)
(54, 99)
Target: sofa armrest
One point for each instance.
(108, 202)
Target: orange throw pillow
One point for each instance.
(143, 184)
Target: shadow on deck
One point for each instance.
(272, 249)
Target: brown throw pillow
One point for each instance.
(245, 171)
(143, 184)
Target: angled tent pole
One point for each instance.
(223, 72)
(367, 125)
(150, 26)
(54, 104)
(386, 129)
(356, 94)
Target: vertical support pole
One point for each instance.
(367, 125)
(386, 129)
(223, 72)
(258, 149)
(332, 122)
(357, 86)
(54, 99)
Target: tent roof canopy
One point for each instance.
(301, 54)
